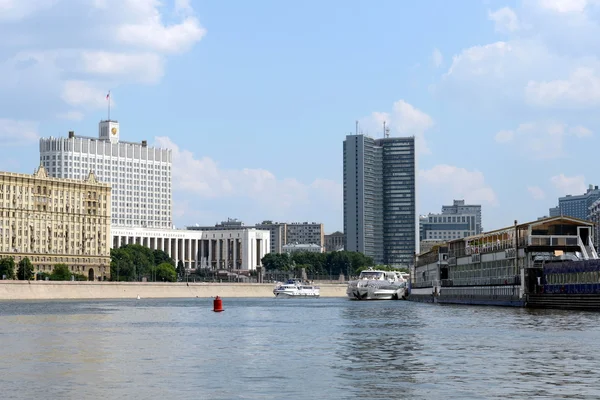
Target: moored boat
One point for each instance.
(296, 288)
(375, 284)
(517, 266)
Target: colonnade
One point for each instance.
(230, 251)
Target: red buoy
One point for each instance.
(218, 304)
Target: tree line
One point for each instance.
(333, 263)
(23, 270)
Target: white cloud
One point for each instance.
(565, 6)
(82, 94)
(581, 131)
(263, 193)
(152, 34)
(137, 67)
(403, 120)
(504, 136)
(458, 182)
(542, 140)
(573, 185)
(505, 19)
(16, 9)
(95, 46)
(481, 60)
(18, 133)
(437, 58)
(536, 192)
(581, 89)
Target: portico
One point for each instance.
(241, 249)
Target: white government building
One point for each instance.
(142, 199)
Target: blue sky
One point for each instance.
(255, 98)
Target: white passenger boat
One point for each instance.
(377, 285)
(296, 288)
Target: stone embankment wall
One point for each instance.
(45, 290)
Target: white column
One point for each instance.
(235, 246)
(176, 251)
(189, 253)
(209, 253)
(218, 258)
(202, 253)
(227, 253)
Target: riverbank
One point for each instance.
(46, 290)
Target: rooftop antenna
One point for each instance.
(386, 131)
(356, 130)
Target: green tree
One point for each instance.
(161, 257)
(277, 261)
(165, 272)
(121, 264)
(180, 269)
(7, 267)
(25, 270)
(61, 272)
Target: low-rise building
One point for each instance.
(334, 241)
(231, 249)
(297, 247)
(278, 231)
(305, 233)
(56, 221)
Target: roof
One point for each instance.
(541, 221)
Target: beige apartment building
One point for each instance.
(54, 220)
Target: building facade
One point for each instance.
(302, 248)
(334, 241)
(140, 176)
(239, 249)
(455, 222)
(277, 232)
(380, 218)
(305, 233)
(56, 221)
(576, 206)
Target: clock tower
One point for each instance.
(109, 130)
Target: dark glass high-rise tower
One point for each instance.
(380, 217)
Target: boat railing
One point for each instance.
(553, 240)
(422, 284)
(487, 281)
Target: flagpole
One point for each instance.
(109, 105)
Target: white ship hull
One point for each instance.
(377, 285)
(296, 295)
(296, 289)
(375, 293)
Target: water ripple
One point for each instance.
(267, 348)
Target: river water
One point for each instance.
(295, 349)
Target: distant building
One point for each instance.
(456, 221)
(278, 234)
(334, 241)
(295, 247)
(577, 206)
(140, 176)
(427, 245)
(594, 216)
(380, 218)
(305, 233)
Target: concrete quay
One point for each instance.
(52, 290)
